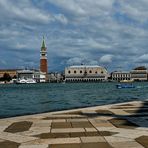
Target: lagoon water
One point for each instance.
(27, 99)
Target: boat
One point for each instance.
(25, 81)
(119, 86)
(126, 81)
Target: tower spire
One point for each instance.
(43, 43)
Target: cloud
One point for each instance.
(98, 45)
(75, 61)
(136, 10)
(3, 62)
(142, 59)
(22, 11)
(80, 61)
(106, 59)
(84, 7)
(61, 18)
(72, 6)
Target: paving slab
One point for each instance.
(95, 139)
(18, 127)
(56, 125)
(15, 137)
(129, 144)
(96, 145)
(90, 129)
(65, 146)
(34, 146)
(54, 141)
(42, 123)
(143, 140)
(9, 144)
(83, 124)
(67, 130)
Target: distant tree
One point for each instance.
(14, 77)
(6, 77)
(1, 79)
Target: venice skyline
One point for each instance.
(109, 33)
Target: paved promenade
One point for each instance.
(111, 126)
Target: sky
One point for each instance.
(109, 33)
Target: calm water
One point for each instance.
(37, 98)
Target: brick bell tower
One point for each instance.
(43, 58)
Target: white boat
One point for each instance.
(25, 81)
(126, 81)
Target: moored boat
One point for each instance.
(126, 81)
(119, 86)
(25, 81)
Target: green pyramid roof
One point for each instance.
(43, 43)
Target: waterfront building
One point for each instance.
(55, 77)
(39, 76)
(139, 74)
(84, 73)
(31, 74)
(43, 58)
(11, 72)
(121, 76)
(25, 74)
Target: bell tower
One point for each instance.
(43, 58)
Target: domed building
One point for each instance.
(85, 73)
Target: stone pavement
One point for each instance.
(111, 126)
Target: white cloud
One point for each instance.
(143, 58)
(97, 45)
(61, 18)
(75, 61)
(23, 11)
(81, 60)
(135, 9)
(84, 7)
(70, 5)
(106, 59)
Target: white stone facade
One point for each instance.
(139, 75)
(120, 75)
(85, 73)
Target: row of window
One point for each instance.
(83, 80)
(121, 75)
(118, 79)
(84, 72)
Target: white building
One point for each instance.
(40, 76)
(85, 73)
(31, 74)
(139, 74)
(55, 77)
(120, 75)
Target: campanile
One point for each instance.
(43, 58)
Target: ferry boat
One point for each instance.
(24, 81)
(120, 86)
